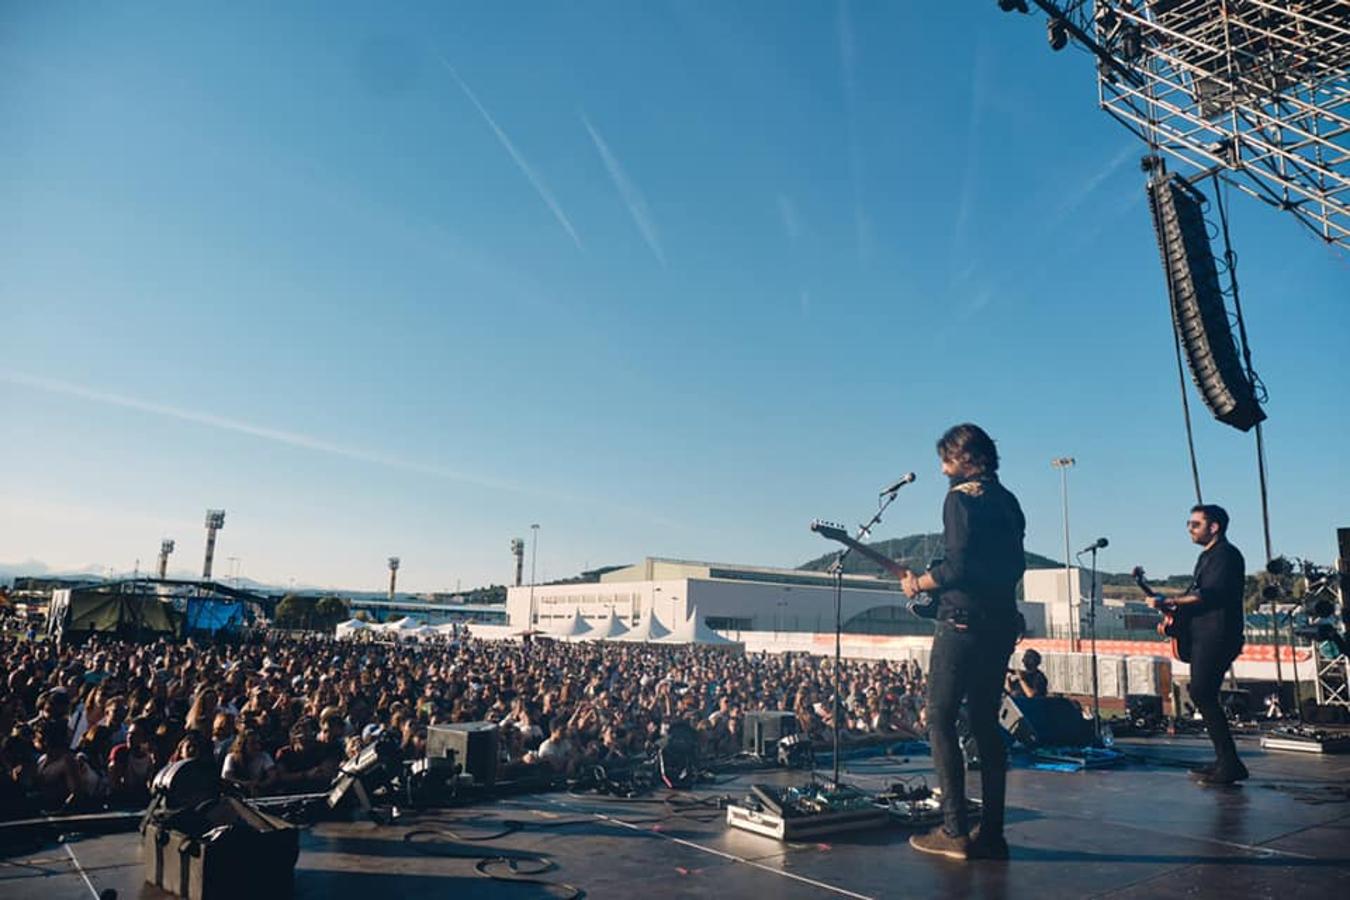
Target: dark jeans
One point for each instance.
(969, 666)
(1210, 659)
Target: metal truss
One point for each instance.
(1255, 90)
(1333, 680)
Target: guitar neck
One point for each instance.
(886, 563)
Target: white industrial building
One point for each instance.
(729, 599)
(1063, 605)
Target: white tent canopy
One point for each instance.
(350, 627)
(648, 628)
(572, 628)
(609, 629)
(399, 629)
(694, 630)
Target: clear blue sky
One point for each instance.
(666, 278)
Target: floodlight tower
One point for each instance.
(393, 575)
(215, 520)
(1064, 464)
(165, 548)
(518, 551)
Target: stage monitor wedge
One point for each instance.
(1198, 311)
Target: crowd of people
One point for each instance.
(87, 725)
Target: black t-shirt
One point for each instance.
(1036, 680)
(1220, 577)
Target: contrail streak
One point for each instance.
(523, 164)
(276, 435)
(308, 442)
(632, 197)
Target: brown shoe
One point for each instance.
(940, 843)
(982, 847)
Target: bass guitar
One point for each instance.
(1174, 625)
(831, 531)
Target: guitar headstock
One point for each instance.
(1138, 573)
(831, 530)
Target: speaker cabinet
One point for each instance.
(1054, 721)
(762, 729)
(474, 745)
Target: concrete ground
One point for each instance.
(1143, 830)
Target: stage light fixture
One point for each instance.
(1279, 566)
(1056, 34)
(1013, 6)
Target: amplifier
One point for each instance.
(761, 730)
(1055, 721)
(474, 745)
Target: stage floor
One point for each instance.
(1143, 830)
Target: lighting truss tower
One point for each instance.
(165, 548)
(393, 575)
(1257, 91)
(518, 551)
(215, 520)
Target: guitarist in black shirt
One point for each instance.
(1211, 612)
(977, 626)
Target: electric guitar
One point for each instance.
(1174, 625)
(834, 532)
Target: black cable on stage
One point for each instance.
(523, 867)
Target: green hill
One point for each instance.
(915, 551)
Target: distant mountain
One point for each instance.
(915, 551)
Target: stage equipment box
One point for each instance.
(762, 729)
(228, 851)
(473, 744)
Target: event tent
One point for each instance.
(110, 609)
(610, 628)
(694, 630)
(351, 627)
(648, 628)
(574, 627)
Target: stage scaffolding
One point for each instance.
(1255, 90)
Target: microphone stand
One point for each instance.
(837, 569)
(1092, 634)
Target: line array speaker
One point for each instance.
(1198, 312)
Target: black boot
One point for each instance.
(1231, 773)
(992, 846)
(1204, 771)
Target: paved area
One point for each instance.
(1141, 830)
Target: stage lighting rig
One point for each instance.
(1056, 34)
(1256, 91)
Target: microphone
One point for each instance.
(1098, 544)
(904, 480)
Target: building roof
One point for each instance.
(657, 568)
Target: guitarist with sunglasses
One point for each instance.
(977, 626)
(1211, 612)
